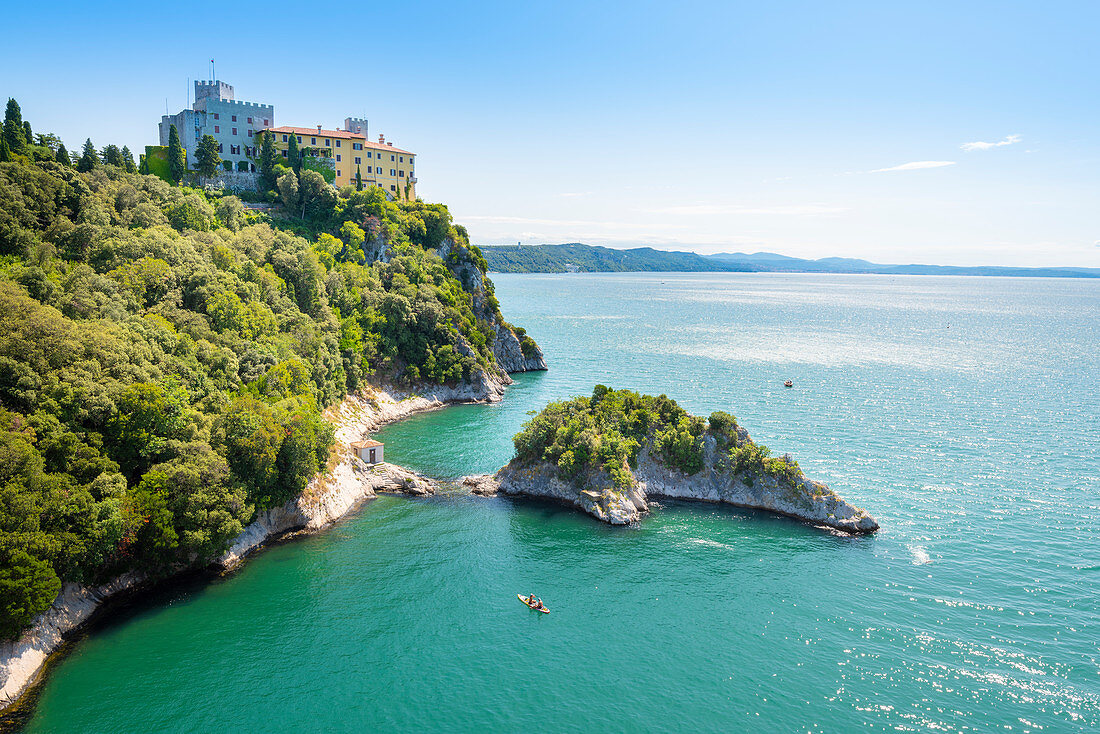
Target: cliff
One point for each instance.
(328, 497)
(640, 447)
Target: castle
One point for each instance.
(236, 126)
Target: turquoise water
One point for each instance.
(962, 412)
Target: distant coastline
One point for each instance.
(580, 258)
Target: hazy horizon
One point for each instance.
(940, 133)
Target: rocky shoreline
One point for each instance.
(328, 497)
(808, 501)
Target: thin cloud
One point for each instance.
(574, 194)
(915, 166)
(785, 210)
(980, 145)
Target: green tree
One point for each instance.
(28, 135)
(269, 158)
(89, 159)
(143, 166)
(177, 158)
(293, 156)
(315, 196)
(63, 155)
(207, 160)
(13, 127)
(5, 151)
(358, 179)
(128, 160)
(28, 586)
(112, 156)
(288, 190)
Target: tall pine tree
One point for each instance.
(13, 127)
(5, 151)
(207, 160)
(27, 134)
(269, 157)
(112, 156)
(89, 159)
(293, 157)
(177, 158)
(128, 160)
(63, 156)
(358, 179)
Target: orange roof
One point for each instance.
(314, 132)
(365, 444)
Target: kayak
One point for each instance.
(524, 599)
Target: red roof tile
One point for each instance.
(344, 134)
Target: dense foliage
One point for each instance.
(166, 355)
(606, 433)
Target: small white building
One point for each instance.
(369, 450)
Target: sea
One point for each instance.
(962, 412)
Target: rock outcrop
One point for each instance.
(595, 493)
(508, 350)
(327, 498)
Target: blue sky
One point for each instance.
(807, 128)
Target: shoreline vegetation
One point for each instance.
(608, 454)
(580, 258)
(168, 357)
(330, 496)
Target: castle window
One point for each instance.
(217, 128)
(358, 160)
(313, 141)
(216, 116)
(250, 121)
(285, 138)
(234, 118)
(368, 169)
(328, 143)
(266, 123)
(299, 139)
(401, 174)
(337, 157)
(337, 143)
(392, 158)
(393, 188)
(402, 159)
(284, 154)
(234, 131)
(356, 146)
(393, 172)
(337, 171)
(220, 149)
(250, 133)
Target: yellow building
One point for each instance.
(380, 164)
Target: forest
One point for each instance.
(166, 354)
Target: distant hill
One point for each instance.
(577, 257)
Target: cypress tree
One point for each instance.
(128, 160)
(63, 156)
(293, 157)
(89, 159)
(5, 151)
(27, 134)
(177, 159)
(13, 127)
(358, 179)
(269, 157)
(143, 167)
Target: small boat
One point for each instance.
(524, 599)
(788, 383)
